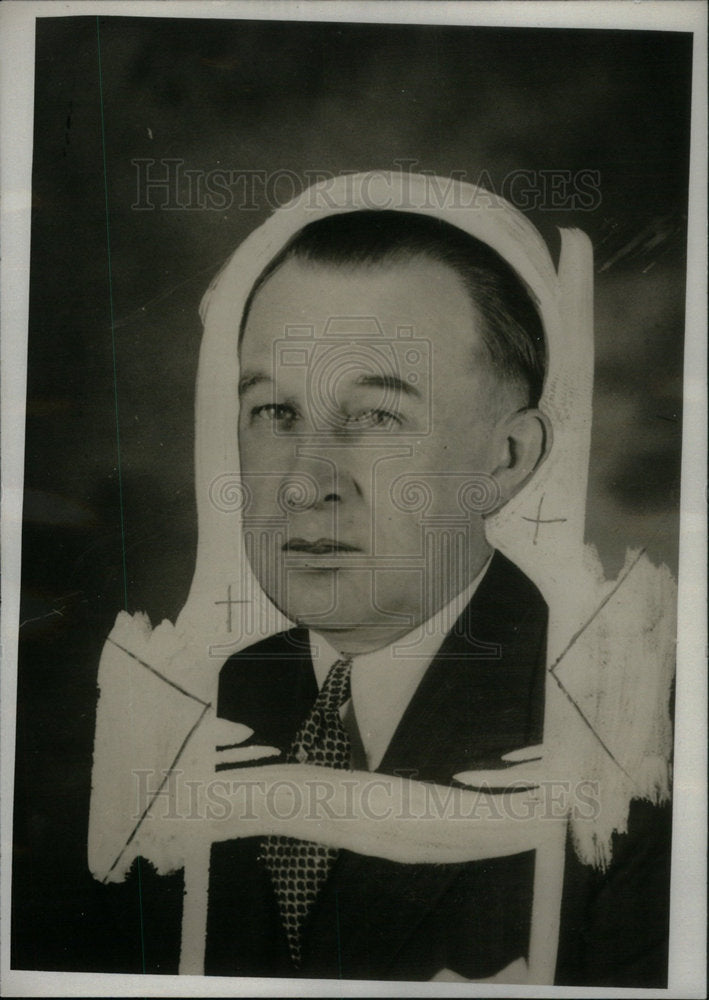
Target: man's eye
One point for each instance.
(275, 413)
(380, 419)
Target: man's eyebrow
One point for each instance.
(251, 379)
(389, 382)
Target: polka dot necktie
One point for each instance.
(299, 868)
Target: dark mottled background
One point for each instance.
(296, 97)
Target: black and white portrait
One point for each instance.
(356, 369)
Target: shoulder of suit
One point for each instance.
(271, 676)
(510, 584)
(282, 647)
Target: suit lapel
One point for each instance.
(483, 694)
(274, 712)
(481, 697)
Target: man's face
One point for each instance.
(366, 437)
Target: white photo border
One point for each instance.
(688, 925)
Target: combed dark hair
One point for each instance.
(512, 328)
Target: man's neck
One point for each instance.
(369, 638)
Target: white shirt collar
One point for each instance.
(384, 681)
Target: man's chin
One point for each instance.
(348, 619)
(336, 601)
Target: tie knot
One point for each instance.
(336, 689)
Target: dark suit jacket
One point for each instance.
(482, 696)
(381, 919)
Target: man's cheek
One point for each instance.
(263, 545)
(396, 534)
(262, 499)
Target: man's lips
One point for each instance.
(318, 547)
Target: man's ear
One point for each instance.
(523, 440)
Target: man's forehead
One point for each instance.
(405, 383)
(401, 364)
(403, 330)
(302, 300)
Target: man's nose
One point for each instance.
(325, 475)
